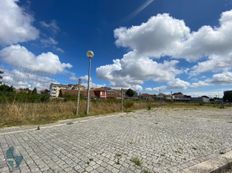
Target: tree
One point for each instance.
(1, 72)
(130, 93)
(34, 91)
(6, 88)
(227, 96)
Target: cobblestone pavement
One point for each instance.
(161, 140)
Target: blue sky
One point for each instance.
(150, 46)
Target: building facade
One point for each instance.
(55, 89)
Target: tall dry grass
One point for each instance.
(40, 113)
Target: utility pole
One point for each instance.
(78, 97)
(160, 96)
(122, 101)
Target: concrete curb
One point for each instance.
(219, 164)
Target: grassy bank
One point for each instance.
(41, 113)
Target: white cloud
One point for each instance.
(160, 35)
(49, 39)
(49, 42)
(132, 70)
(222, 78)
(219, 78)
(148, 89)
(20, 79)
(208, 41)
(18, 56)
(214, 43)
(210, 93)
(178, 84)
(159, 89)
(173, 84)
(214, 63)
(163, 35)
(156, 89)
(52, 25)
(15, 24)
(200, 84)
(84, 81)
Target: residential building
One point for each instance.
(114, 93)
(100, 92)
(181, 97)
(204, 99)
(146, 96)
(160, 96)
(56, 88)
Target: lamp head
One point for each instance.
(90, 54)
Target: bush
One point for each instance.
(23, 97)
(128, 104)
(149, 107)
(130, 93)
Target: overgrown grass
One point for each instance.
(42, 113)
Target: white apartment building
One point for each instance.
(55, 89)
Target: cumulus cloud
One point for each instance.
(18, 56)
(173, 84)
(178, 84)
(84, 81)
(222, 78)
(16, 24)
(22, 79)
(156, 89)
(146, 41)
(209, 40)
(200, 84)
(213, 43)
(214, 63)
(162, 35)
(132, 70)
(219, 78)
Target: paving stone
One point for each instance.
(164, 140)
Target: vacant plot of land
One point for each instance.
(160, 140)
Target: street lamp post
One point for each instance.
(90, 55)
(78, 97)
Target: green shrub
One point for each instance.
(149, 107)
(128, 104)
